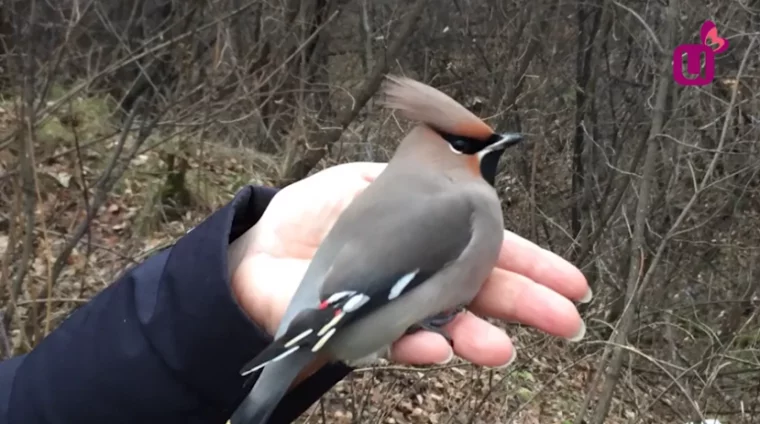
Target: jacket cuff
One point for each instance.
(164, 343)
(199, 329)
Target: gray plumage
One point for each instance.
(414, 220)
(420, 240)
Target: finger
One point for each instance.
(513, 297)
(422, 348)
(480, 342)
(542, 266)
(370, 171)
(475, 340)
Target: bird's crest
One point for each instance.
(421, 102)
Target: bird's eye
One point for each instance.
(459, 144)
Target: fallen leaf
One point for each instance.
(3, 244)
(63, 178)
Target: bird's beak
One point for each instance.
(505, 141)
(508, 140)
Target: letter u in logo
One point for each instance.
(712, 43)
(693, 64)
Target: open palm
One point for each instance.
(529, 285)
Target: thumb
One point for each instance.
(367, 170)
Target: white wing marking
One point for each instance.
(331, 324)
(318, 345)
(299, 337)
(275, 359)
(401, 284)
(356, 302)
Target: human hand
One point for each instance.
(529, 285)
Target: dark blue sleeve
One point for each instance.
(163, 344)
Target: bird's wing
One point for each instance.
(377, 264)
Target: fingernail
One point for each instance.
(587, 297)
(510, 362)
(447, 360)
(579, 336)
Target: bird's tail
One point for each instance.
(270, 388)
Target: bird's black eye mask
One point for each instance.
(468, 145)
(472, 146)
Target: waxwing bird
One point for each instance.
(417, 244)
